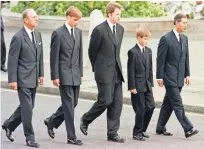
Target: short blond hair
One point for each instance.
(73, 12)
(111, 6)
(142, 32)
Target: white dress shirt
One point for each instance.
(177, 34)
(141, 47)
(69, 28)
(29, 33)
(111, 26)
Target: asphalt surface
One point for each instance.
(47, 104)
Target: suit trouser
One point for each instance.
(3, 50)
(143, 104)
(24, 112)
(57, 118)
(110, 98)
(173, 102)
(69, 98)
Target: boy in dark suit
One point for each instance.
(140, 83)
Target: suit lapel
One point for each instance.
(119, 34)
(140, 54)
(175, 40)
(146, 57)
(28, 41)
(77, 39)
(67, 37)
(110, 34)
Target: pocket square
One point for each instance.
(39, 43)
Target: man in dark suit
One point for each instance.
(3, 45)
(104, 54)
(66, 72)
(25, 69)
(140, 83)
(172, 69)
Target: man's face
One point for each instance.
(182, 26)
(72, 21)
(115, 16)
(143, 41)
(32, 19)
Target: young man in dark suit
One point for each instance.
(104, 54)
(172, 69)
(140, 83)
(66, 65)
(25, 70)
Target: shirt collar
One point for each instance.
(110, 24)
(68, 27)
(28, 30)
(141, 47)
(176, 33)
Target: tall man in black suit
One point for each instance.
(104, 54)
(140, 83)
(66, 72)
(172, 69)
(3, 45)
(25, 69)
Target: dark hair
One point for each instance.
(179, 17)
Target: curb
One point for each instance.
(93, 96)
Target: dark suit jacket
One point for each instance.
(104, 52)
(173, 60)
(140, 74)
(66, 56)
(25, 61)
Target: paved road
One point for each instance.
(96, 138)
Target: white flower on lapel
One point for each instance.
(40, 43)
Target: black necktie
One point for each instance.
(143, 52)
(72, 34)
(114, 35)
(180, 41)
(33, 39)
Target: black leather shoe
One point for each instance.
(3, 69)
(144, 134)
(32, 144)
(50, 130)
(165, 133)
(74, 142)
(8, 133)
(190, 133)
(116, 139)
(138, 137)
(83, 128)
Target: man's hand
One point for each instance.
(187, 80)
(133, 91)
(13, 85)
(56, 82)
(41, 79)
(160, 82)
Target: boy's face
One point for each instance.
(72, 21)
(143, 41)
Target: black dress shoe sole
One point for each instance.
(117, 141)
(84, 132)
(51, 136)
(4, 128)
(164, 134)
(30, 145)
(194, 133)
(79, 143)
(138, 139)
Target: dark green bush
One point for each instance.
(58, 8)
